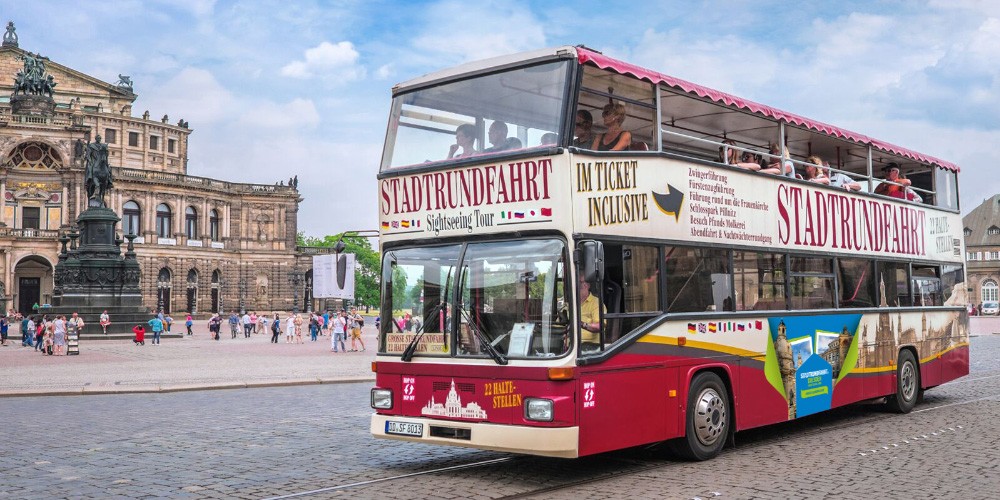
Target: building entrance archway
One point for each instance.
(33, 279)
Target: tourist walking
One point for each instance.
(339, 329)
(39, 330)
(189, 322)
(234, 323)
(47, 333)
(4, 325)
(214, 326)
(298, 328)
(262, 323)
(275, 328)
(167, 322)
(246, 325)
(253, 322)
(156, 326)
(59, 334)
(105, 321)
(289, 328)
(357, 322)
(313, 326)
(27, 329)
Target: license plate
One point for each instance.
(404, 428)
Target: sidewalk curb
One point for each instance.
(151, 389)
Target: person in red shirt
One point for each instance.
(897, 190)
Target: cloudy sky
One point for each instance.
(280, 88)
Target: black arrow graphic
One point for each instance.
(671, 202)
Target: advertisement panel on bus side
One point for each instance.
(668, 198)
(517, 195)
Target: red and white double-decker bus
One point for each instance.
(581, 255)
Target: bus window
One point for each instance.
(811, 282)
(894, 287)
(697, 279)
(952, 282)
(946, 188)
(631, 288)
(510, 298)
(759, 281)
(857, 284)
(926, 286)
(415, 297)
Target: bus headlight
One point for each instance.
(538, 409)
(382, 399)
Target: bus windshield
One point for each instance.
(510, 300)
(503, 111)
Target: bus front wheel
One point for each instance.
(707, 422)
(907, 384)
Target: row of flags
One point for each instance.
(504, 215)
(725, 326)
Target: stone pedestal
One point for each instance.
(94, 277)
(38, 105)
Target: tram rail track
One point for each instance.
(633, 466)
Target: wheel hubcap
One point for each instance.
(710, 417)
(907, 381)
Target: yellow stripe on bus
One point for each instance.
(710, 346)
(891, 368)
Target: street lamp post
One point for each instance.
(243, 289)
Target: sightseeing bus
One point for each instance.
(581, 255)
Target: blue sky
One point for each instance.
(274, 89)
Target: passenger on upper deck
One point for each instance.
(894, 190)
(779, 163)
(840, 180)
(732, 157)
(549, 139)
(465, 138)
(584, 133)
(813, 172)
(614, 139)
(499, 140)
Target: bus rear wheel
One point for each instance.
(707, 423)
(907, 384)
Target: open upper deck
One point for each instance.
(541, 97)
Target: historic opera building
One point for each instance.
(203, 244)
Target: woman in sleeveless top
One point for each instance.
(614, 139)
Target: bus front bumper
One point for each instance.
(560, 442)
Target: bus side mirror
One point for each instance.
(591, 261)
(388, 264)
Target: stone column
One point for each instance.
(3, 202)
(64, 218)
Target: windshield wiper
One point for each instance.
(411, 348)
(485, 344)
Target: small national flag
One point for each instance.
(758, 325)
(691, 328)
(519, 215)
(701, 327)
(395, 224)
(740, 326)
(385, 225)
(712, 327)
(417, 222)
(546, 212)
(405, 223)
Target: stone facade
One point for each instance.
(982, 248)
(203, 244)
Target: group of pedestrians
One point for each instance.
(45, 334)
(339, 325)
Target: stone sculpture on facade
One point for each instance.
(125, 82)
(10, 37)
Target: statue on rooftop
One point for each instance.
(32, 80)
(125, 82)
(10, 37)
(97, 176)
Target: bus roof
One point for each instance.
(588, 56)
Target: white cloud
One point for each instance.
(465, 31)
(385, 72)
(329, 61)
(193, 94)
(299, 113)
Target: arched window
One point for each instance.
(191, 222)
(989, 291)
(163, 220)
(968, 232)
(131, 218)
(216, 284)
(213, 225)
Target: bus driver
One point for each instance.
(590, 316)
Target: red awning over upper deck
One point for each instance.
(604, 62)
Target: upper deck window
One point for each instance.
(527, 101)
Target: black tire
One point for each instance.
(706, 427)
(907, 384)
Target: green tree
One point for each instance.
(367, 279)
